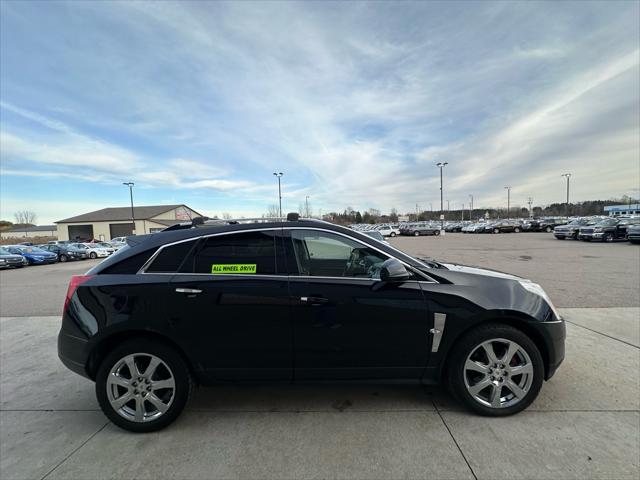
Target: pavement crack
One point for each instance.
(454, 439)
(603, 334)
(74, 451)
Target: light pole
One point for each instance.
(566, 211)
(462, 218)
(133, 219)
(530, 202)
(279, 174)
(508, 189)
(306, 201)
(448, 206)
(471, 207)
(441, 165)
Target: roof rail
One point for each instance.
(206, 221)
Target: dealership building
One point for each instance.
(623, 210)
(30, 232)
(114, 222)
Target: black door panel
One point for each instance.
(239, 328)
(343, 329)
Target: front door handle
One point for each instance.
(314, 300)
(190, 292)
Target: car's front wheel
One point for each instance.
(436, 232)
(143, 385)
(93, 255)
(495, 370)
(393, 234)
(63, 258)
(417, 234)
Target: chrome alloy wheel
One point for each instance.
(140, 387)
(498, 373)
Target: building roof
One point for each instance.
(114, 214)
(35, 228)
(617, 208)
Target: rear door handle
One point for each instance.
(314, 300)
(189, 291)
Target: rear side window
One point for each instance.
(238, 253)
(170, 258)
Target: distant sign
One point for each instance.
(182, 214)
(442, 217)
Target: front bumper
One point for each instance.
(554, 335)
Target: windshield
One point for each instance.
(4, 251)
(376, 234)
(26, 249)
(607, 223)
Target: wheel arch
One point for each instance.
(102, 349)
(511, 320)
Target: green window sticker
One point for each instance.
(234, 268)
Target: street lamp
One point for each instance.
(471, 207)
(568, 175)
(306, 200)
(508, 189)
(279, 174)
(441, 165)
(133, 219)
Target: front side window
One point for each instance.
(326, 254)
(244, 253)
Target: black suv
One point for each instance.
(303, 301)
(608, 230)
(505, 226)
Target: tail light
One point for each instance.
(76, 281)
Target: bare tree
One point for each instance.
(25, 217)
(226, 215)
(273, 211)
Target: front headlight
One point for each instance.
(538, 290)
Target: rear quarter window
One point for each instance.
(170, 258)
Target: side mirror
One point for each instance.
(393, 271)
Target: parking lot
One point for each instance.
(584, 424)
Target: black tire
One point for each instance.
(393, 234)
(436, 233)
(181, 375)
(516, 230)
(93, 255)
(63, 258)
(496, 230)
(607, 238)
(416, 234)
(468, 343)
(548, 229)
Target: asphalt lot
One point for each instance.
(584, 424)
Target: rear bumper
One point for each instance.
(73, 353)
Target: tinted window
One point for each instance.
(170, 258)
(326, 254)
(237, 253)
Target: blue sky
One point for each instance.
(199, 102)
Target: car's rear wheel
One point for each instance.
(143, 385)
(608, 237)
(63, 258)
(417, 234)
(436, 232)
(516, 230)
(548, 229)
(496, 230)
(495, 370)
(393, 234)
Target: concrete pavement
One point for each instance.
(585, 423)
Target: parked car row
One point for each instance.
(17, 256)
(600, 230)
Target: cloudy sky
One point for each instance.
(200, 102)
